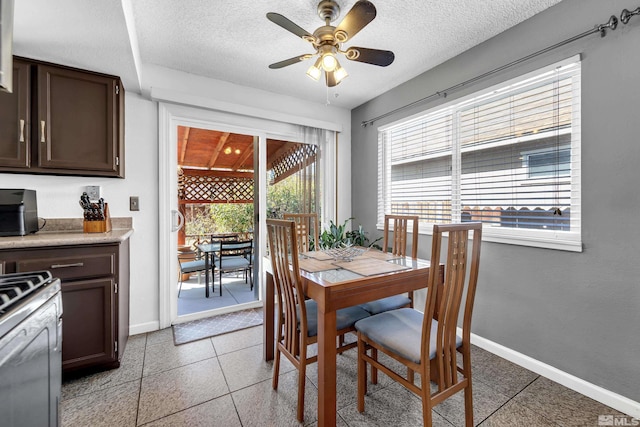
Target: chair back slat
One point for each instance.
(398, 241)
(307, 228)
(286, 275)
(446, 306)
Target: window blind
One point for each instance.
(508, 157)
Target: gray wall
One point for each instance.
(579, 312)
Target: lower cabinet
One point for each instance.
(88, 310)
(95, 298)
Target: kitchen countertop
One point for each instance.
(65, 232)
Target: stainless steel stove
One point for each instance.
(30, 349)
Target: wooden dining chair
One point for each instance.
(307, 228)
(398, 244)
(427, 343)
(298, 318)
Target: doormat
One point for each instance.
(216, 325)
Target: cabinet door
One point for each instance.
(78, 121)
(88, 323)
(15, 120)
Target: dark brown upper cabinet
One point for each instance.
(15, 119)
(62, 121)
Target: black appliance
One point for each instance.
(30, 349)
(18, 212)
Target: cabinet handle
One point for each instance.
(21, 130)
(75, 264)
(42, 138)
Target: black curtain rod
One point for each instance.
(625, 16)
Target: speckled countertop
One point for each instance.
(64, 232)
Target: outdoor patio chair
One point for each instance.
(188, 262)
(232, 257)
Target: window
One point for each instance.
(547, 162)
(508, 156)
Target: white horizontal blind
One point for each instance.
(508, 157)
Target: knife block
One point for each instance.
(99, 226)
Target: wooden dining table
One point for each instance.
(336, 284)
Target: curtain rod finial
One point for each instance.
(612, 24)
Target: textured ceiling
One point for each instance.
(233, 41)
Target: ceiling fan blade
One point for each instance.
(290, 61)
(370, 56)
(358, 17)
(288, 25)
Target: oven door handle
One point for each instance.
(75, 264)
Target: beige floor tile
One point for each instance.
(261, 405)
(228, 343)
(163, 335)
(391, 406)
(515, 415)
(171, 391)
(562, 405)
(486, 401)
(164, 356)
(217, 412)
(113, 406)
(347, 376)
(245, 367)
(130, 369)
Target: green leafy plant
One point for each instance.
(337, 236)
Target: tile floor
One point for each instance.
(223, 381)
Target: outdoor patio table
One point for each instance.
(208, 249)
(339, 284)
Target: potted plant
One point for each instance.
(337, 236)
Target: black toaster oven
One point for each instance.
(18, 212)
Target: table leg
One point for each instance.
(269, 318)
(326, 367)
(206, 274)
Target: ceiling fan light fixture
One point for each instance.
(314, 71)
(340, 73)
(329, 62)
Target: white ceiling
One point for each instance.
(232, 40)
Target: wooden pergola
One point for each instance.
(217, 167)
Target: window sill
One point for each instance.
(536, 239)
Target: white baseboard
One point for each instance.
(142, 328)
(609, 398)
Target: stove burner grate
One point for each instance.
(16, 286)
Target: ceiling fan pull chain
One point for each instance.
(328, 102)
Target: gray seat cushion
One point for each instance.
(345, 317)
(386, 304)
(400, 331)
(232, 263)
(192, 266)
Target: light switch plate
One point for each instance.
(93, 191)
(134, 203)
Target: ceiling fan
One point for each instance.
(326, 41)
